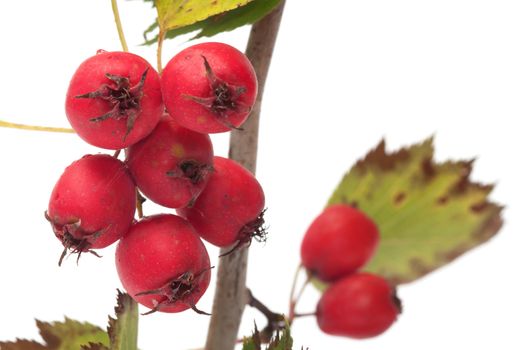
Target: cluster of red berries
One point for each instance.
(338, 243)
(116, 100)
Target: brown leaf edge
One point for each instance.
(22, 344)
(94, 346)
(123, 301)
(51, 341)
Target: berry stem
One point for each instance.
(139, 200)
(306, 314)
(160, 40)
(295, 280)
(5, 124)
(119, 26)
(293, 301)
(231, 297)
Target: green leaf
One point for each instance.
(124, 328)
(70, 334)
(73, 335)
(428, 213)
(282, 340)
(224, 22)
(67, 335)
(253, 342)
(179, 13)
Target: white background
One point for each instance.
(345, 74)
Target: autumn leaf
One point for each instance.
(66, 335)
(428, 213)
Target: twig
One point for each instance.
(293, 301)
(119, 26)
(159, 54)
(275, 321)
(35, 127)
(231, 297)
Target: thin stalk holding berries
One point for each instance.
(122, 39)
(293, 300)
(231, 295)
(119, 26)
(5, 124)
(160, 39)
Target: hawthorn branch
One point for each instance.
(231, 294)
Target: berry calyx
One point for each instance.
(172, 165)
(163, 264)
(230, 208)
(338, 242)
(114, 99)
(175, 290)
(223, 97)
(74, 239)
(192, 170)
(359, 306)
(124, 98)
(209, 87)
(92, 204)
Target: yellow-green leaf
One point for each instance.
(428, 213)
(178, 13)
(67, 335)
(71, 334)
(224, 22)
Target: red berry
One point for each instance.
(92, 204)
(339, 241)
(163, 264)
(229, 209)
(358, 306)
(209, 87)
(114, 99)
(171, 166)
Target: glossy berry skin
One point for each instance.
(114, 99)
(171, 166)
(229, 208)
(209, 87)
(359, 306)
(163, 264)
(338, 242)
(93, 203)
